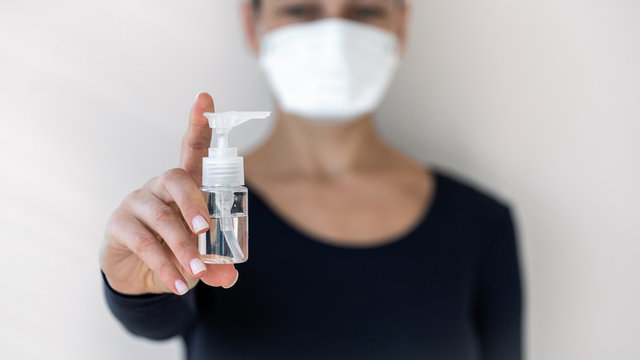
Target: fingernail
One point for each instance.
(181, 287)
(234, 281)
(199, 223)
(197, 266)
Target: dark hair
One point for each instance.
(256, 4)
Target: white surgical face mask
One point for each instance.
(329, 70)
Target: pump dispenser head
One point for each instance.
(224, 166)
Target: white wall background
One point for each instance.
(537, 101)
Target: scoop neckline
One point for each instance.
(400, 239)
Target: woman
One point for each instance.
(357, 250)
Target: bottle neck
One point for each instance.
(222, 170)
(212, 188)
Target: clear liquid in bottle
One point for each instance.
(226, 241)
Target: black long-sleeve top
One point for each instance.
(449, 289)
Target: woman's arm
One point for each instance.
(499, 301)
(154, 316)
(149, 254)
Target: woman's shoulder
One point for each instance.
(461, 196)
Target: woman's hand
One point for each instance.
(150, 243)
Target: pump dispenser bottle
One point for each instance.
(226, 241)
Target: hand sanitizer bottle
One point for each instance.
(226, 241)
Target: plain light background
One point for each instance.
(537, 102)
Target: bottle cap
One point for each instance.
(223, 166)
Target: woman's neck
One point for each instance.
(299, 147)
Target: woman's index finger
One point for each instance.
(196, 141)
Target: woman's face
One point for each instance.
(391, 15)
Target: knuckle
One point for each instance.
(190, 143)
(183, 247)
(149, 184)
(163, 214)
(114, 224)
(165, 269)
(151, 279)
(173, 174)
(134, 198)
(143, 242)
(131, 197)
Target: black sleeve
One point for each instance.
(499, 301)
(154, 316)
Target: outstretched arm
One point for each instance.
(154, 316)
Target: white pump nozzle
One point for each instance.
(224, 166)
(225, 121)
(229, 119)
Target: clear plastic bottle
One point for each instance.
(227, 240)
